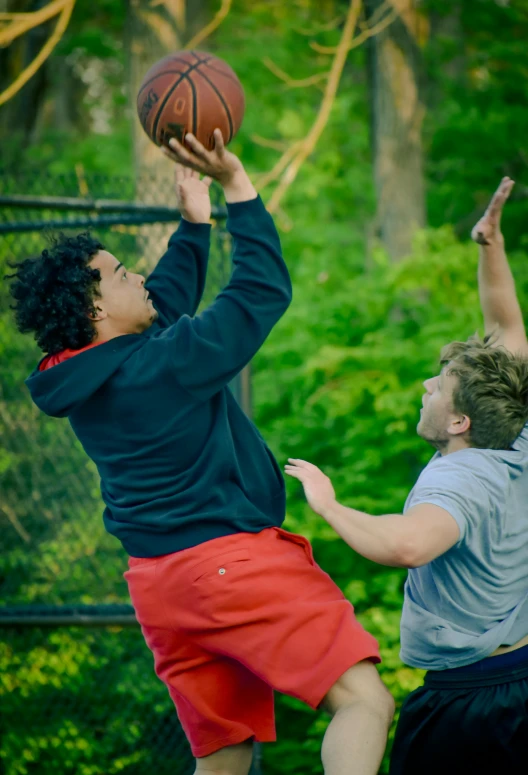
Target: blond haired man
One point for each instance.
(464, 537)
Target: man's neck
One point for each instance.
(455, 444)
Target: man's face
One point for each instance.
(123, 300)
(438, 421)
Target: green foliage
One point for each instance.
(58, 688)
(476, 126)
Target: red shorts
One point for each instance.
(231, 620)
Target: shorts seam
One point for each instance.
(233, 739)
(323, 687)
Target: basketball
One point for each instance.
(190, 91)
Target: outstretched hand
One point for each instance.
(220, 164)
(488, 228)
(317, 486)
(192, 195)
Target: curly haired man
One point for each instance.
(231, 605)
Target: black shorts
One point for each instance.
(466, 721)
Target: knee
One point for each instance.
(233, 760)
(361, 684)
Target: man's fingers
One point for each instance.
(296, 473)
(207, 180)
(500, 196)
(184, 156)
(197, 147)
(219, 145)
(182, 196)
(293, 471)
(180, 173)
(302, 464)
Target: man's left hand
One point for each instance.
(488, 230)
(317, 486)
(192, 195)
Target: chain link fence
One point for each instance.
(78, 693)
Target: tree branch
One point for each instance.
(368, 32)
(331, 25)
(293, 83)
(274, 173)
(211, 27)
(306, 146)
(175, 8)
(66, 8)
(265, 142)
(19, 23)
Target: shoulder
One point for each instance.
(467, 479)
(467, 465)
(459, 483)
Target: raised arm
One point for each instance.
(177, 283)
(498, 298)
(207, 351)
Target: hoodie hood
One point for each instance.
(60, 390)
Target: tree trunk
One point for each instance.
(397, 111)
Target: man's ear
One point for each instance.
(460, 424)
(98, 313)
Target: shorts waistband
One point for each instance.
(509, 667)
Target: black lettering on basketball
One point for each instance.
(147, 106)
(171, 130)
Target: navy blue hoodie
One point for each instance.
(179, 461)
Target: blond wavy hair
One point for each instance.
(491, 389)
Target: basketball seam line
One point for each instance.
(173, 87)
(230, 77)
(220, 97)
(164, 72)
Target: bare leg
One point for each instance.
(362, 710)
(233, 760)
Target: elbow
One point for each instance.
(286, 296)
(407, 554)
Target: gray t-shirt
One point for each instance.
(462, 606)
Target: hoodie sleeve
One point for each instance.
(177, 283)
(208, 351)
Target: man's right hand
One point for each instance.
(488, 230)
(220, 164)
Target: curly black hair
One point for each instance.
(54, 293)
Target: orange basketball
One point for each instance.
(190, 91)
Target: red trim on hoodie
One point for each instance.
(54, 360)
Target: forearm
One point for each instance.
(177, 283)
(384, 540)
(213, 347)
(498, 298)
